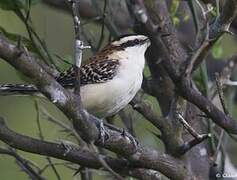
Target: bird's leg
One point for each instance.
(104, 134)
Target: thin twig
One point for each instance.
(190, 144)
(219, 86)
(103, 26)
(78, 42)
(32, 33)
(89, 39)
(146, 111)
(194, 58)
(197, 137)
(79, 45)
(38, 119)
(188, 127)
(196, 20)
(23, 164)
(218, 147)
(104, 164)
(42, 138)
(55, 164)
(108, 21)
(204, 14)
(28, 10)
(62, 125)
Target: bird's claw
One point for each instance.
(68, 146)
(104, 134)
(131, 138)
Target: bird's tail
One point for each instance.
(17, 89)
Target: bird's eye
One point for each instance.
(136, 41)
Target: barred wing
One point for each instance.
(93, 72)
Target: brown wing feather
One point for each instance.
(99, 69)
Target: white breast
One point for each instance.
(106, 99)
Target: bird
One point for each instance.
(109, 80)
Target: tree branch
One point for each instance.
(75, 155)
(71, 106)
(145, 158)
(68, 102)
(23, 163)
(173, 56)
(218, 28)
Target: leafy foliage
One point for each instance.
(217, 50)
(173, 11)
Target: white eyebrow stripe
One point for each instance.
(129, 38)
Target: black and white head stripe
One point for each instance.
(130, 40)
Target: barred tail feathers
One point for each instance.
(17, 89)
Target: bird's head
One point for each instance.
(138, 43)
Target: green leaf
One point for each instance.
(186, 17)
(176, 20)
(174, 7)
(173, 12)
(217, 50)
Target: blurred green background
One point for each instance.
(56, 29)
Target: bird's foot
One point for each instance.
(104, 134)
(131, 138)
(68, 146)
